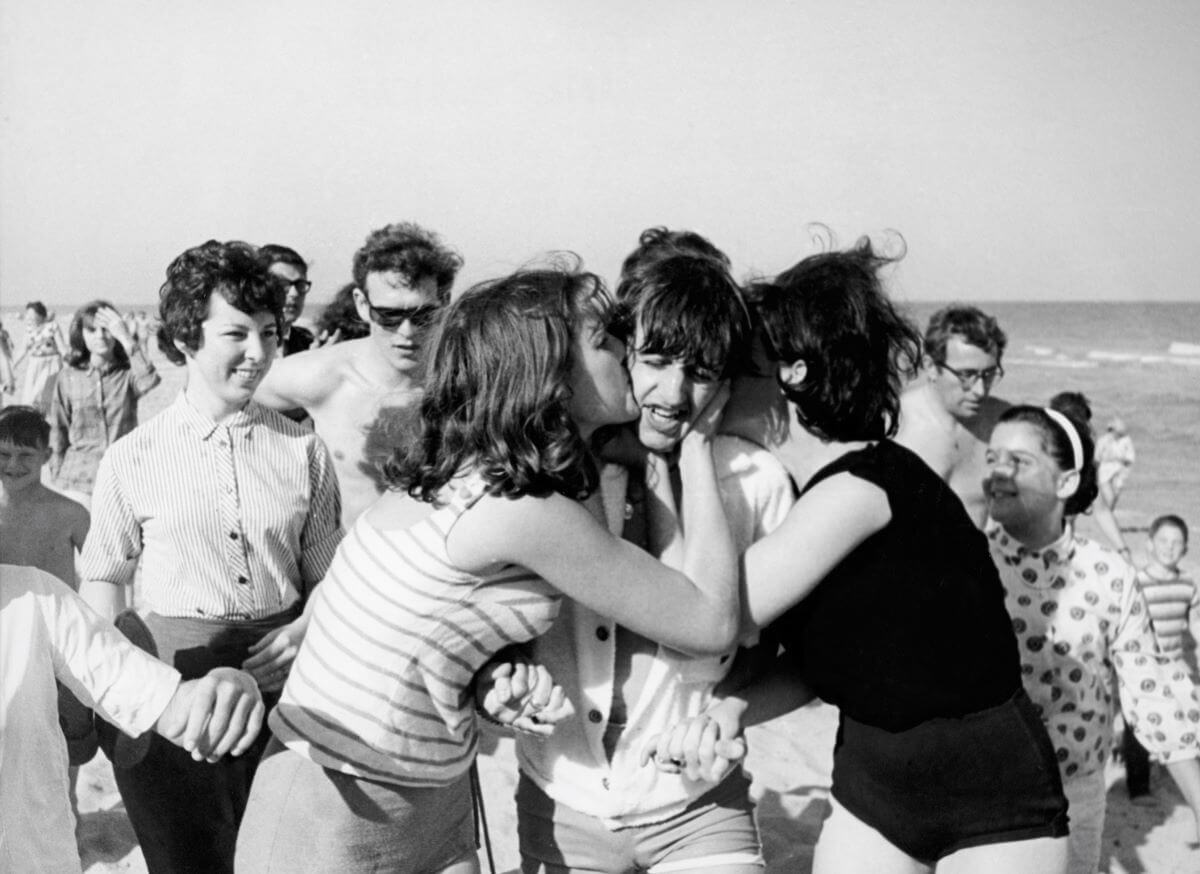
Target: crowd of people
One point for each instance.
(621, 525)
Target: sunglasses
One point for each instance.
(394, 317)
(301, 285)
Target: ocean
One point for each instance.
(1130, 359)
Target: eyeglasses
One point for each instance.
(301, 285)
(394, 317)
(968, 378)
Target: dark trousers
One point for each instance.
(1137, 765)
(185, 813)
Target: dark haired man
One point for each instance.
(292, 271)
(948, 413)
(586, 800)
(361, 393)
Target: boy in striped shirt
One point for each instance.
(1174, 602)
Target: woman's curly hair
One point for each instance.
(498, 387)
(234, 270)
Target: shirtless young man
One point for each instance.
(948, 412)
(361, 393)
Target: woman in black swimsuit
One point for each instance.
(883, 591)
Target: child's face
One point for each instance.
(1168, 545)
(21, 466)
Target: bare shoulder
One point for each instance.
(306, 378)
(517, 530)
(927, 429)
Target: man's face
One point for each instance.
(399, 315)
(670, 393)
(965, 378)
(296, 281)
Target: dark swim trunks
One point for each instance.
(952, 783)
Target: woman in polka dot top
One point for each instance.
(1082, 624)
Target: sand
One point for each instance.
(790, 759)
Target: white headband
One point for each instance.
(1072, 435)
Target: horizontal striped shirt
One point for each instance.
(1174, 605)
(237, 520)
(381, 688)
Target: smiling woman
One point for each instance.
(235, 510)
(1082, 625)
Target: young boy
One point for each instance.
(1174, 602)
(43, 529)
(38, 527)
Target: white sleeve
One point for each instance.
(126, 686)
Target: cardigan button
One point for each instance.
(595, 716)
(602, 633)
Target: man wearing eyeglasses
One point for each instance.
(947, 415)
(361, 394)
(292, 271)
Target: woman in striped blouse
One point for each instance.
(376, 730)
(228, 514)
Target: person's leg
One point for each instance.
(848, 845)
(1137, 764)
(1044, 855)
(554, 839)
(716, 834)
(1087, 797)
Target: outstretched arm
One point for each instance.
(561, 541)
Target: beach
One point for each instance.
(790, 757)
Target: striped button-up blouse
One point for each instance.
(381, 688)
(232, 521)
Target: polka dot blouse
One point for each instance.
(1082, 627)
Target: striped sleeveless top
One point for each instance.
(381, 688)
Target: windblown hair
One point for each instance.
(690, 309)
(1058, 446)
(234, 270)
(79, 357)
(340, 314)
(830, 311)
(970, 323)
(410, 250)
(274, 253)
(498, 387)
(24, 426)
(657, 242)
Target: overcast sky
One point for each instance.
(1025, 150)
